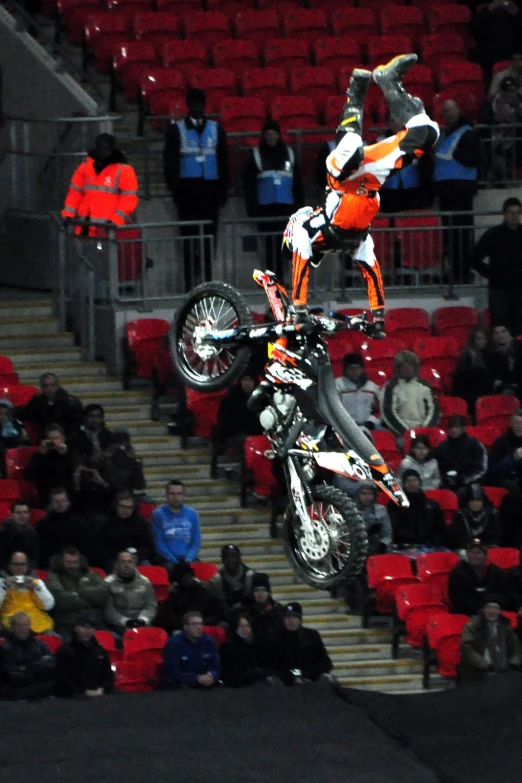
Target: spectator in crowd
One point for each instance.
(27, 668)
(273, 189)
(52, 465)
(243, 661)
(103, 188)
(22, 591)
(422, 523)
(53, 405)
(299, 653)
(132, 601)
(76, 590)
(195, 161)
(503, 112)
(473, 377)
(18, 535)
(514, 71)
(12, 433)
(489, 644)
(505, 456)
(505, 360)
(233, 584)
(175, 528)
(457, 158)
(92, 438)
(126, 529)
(472, 578)
(188, 594)
(478, 519)
(235, 420)
(61, 528)
(91, 494)
(407, 401)
(376, 518)
(497, 30)
(502, 246)
(359, 396)
(420, 458)
(121, 468)
(514, 577)
(190, 658)
(83, 667)
(462, 459)
(266, 615)
(409, 187)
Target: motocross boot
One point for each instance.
(352, 116)
(389, 78)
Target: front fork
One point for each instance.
(300, 496)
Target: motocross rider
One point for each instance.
(354, 176)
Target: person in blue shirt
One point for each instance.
(175, 528)
(190, 658)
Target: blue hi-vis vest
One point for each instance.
(198, 151)
(446, 167)
(404, 179)
(275, 187)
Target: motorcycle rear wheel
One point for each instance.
(340, 528)
(210, 306)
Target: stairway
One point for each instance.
(29, 334)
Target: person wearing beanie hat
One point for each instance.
(299, 652)
(489, 643)
(476, 519)
(233, 583)
(422, 523)
(420, 459)
(195, 163)
(266, 614)
(462, 459)
(273, 189)
(188, 594)
(472, 578)
(359, 395)
(83, 666)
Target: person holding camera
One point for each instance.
(22, 591)
(52, 465)
(121, 469)
(132, 602)
(299, 652)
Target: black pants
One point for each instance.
(273, 247)
(197, 254)
(458, 238)
(505, 307)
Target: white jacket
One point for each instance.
(428, 471)
(408, 404)
(361, 402)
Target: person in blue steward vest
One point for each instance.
(195, 162)
(457, 158)
(408, 188)
(273, 189)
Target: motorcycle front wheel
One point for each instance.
(337, 551)
(202, 365)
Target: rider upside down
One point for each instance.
(355, 175)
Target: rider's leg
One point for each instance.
(348, 154)
(370, 268)
(301, 246)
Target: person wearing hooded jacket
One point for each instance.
(505, 456)
(233, 583)
(104, 188)
(359, 395)
(422, 523)
(76, 590)
(188, 594)
(478, 519)
(273, 189)
(266, 615)
(462, 459)
(472, 578)
(407, 401)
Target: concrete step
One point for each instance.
(355, 652)
(239, 516)
(130, 415)
(66, 370)
(31, 341)
(212, 553)
(214, 503)
(103, 383)
(141, 428)
(388, 684)
(353, 635)
(196, 487)
(26, 307)
(274, 563)
(381, 667)
(55, 356)
(152, 458)
(326, 621)
(118, 399)
(244, 533)
(159, 440)
(28, 326)
(160, 473)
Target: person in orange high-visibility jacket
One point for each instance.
(103, 188)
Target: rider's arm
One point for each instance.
(343, 155)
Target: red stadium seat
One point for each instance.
(73, 15)
(382, 48)
(176, 54)
(209, 27)
(218, 83)
(333, 106)
(415, 603)
(442, 46)
(383, 241)
(504, 557)
(257, 25)
(377, 375)
(312, 81)
(9, 490)
(157, 85)
(41, 574)
(384, 442)
(159, 578)
(9, 379)
(99, 571)
(237, 55)
(449, 406)
(337, 51)
(419, 81)
(466, 97)
(443, 635)
(16, 461)
(36, 515)
(402, 20)
(434, 378)
(513, 619)
(463, 75)
(264, 83)
(450, 18)
(204, 407)
(19, 394)
(435, 563)
(447, 500)
(264, 481)
(495, 494)
(501, 66)
(155, 25)
(146, 510)
(108, 642)
(306, 23)
(421, 241)
(439, 353)
(130, 7)
(204, 571)
(294, 111)
(137, 640)
(243, 114)
(401, 320)
(103, 32)
(486, 434)
(5, 510)
(386, 576)
(358, 22)
(286, 53)
(6, 365)
(136, 677)
(53, 642)
(382, 353)
(143, 339)
(435, 436)
(446, 319)
(217, 632)
(496, 409)
(130, 61)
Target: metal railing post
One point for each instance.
(61, 293)
(91, 331)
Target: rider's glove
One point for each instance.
(375, 329)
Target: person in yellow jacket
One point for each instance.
(21, 592)
(103, 188)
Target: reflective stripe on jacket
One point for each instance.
(275, 186)
(198, 151)
(110, 195)
(446, 167)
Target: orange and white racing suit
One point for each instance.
(342, 223)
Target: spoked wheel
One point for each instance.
(337, 550)
(203, 365)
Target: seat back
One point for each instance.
(144, 337)
(421, 241)
(403, 319)
(159, 578)
(137, 639)
(360, 22)
(337, 51)
(146, 510)
(176, 54)
(218, 83)
(437, 46)
(261, 467)
(16, 461)
(495, 494)
(204, 571)
(155, 25)
(18, 394)
(383, 47)
(380, 567)
(286, 52)
(207, 26)
(435, 563)
(496, 408)
(53, 642)
(449, 406)
(446, 318)
(444, 625)
(504, 557)
(218, 633)
(204, 408)
(435, 435)
(257, 25)
(264, 83)
(403, 19)
(108, 642)
(414, 595)
(486, 434)
(9, 490)
(447, 501)
(235, 54)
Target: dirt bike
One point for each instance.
(311, 433)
